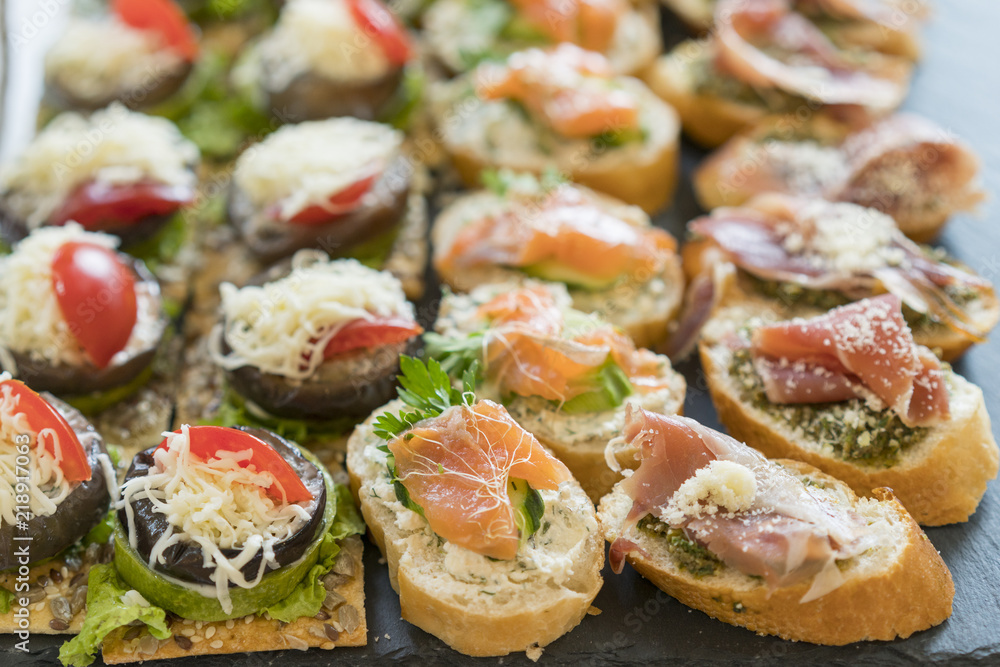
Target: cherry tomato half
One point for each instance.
(163, 17)
(340, 203)
(368, 333)
(381, 24)
(99, 206)
(95, 290)
(208, 441)
(42, 417)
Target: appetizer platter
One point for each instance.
(457, 331)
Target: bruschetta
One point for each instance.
(564, 376)
(327, 58)
(905, 166)
(764, 58)
(316, 340)
(462, 33)
(852, 394)
(562, 108)
(114, 171)
(491, 544)
(774, 546)
(613, 261)
(56, 484)
(139, 54)
(801, 256)
(235, 533)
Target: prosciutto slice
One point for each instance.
(893, 15)
(764, 43)
(861, 349)
(787, 534)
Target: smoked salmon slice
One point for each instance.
(567, 88)
(786, 535)
(589, 23)
(456, 467)
(566, 227)
(866, 346)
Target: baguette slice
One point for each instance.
(643, 309)
(939, 479)
(896, 588)
(483, 135)
(441, 587)
(578, 440)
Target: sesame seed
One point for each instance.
(217, 644)
(209, 632)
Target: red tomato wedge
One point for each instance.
(368, 333)
(98, 206)
(456, 467)
(52, 427)
(163, 17)
(381, 24)
(340, 203)
(95, 290)
(207, 441)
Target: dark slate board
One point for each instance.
(954, 85)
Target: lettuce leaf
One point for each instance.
(105, 612)
(6, 600)
(233, 411)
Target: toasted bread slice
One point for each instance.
(478, 606)
(482, 135)
(940, 478)
(898, 587)
(643, 309)
(578, 440)
(64, 576)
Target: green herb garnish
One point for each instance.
(428, 390)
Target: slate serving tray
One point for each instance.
(956, 84)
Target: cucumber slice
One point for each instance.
(183, 600)
(528, 507)
(614, 388)
(555, 272)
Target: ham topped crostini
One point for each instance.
(564, 376)
(461, 33)
(318, 340)
(563, 108)
(77, 317)
(802, 256)
(327, 58)
(766, 58)
(775, 546)
(904, 165)
(116, 171)
(613, 261)
(851, 393)
(139, 54)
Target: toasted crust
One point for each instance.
(518, 617)
(260, 634)
(39, 614)
(708, 120)
(643, 310)
(912, 592)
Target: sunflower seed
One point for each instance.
(61, 609)
(183, 642)
(58, 626)
(331, 632)
(349, 618)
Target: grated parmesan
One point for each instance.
(31, 321)
(216, 504)
(283, 326)
(303, 165)
(113, 146)
(104, 57)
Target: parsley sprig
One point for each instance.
(428, 390)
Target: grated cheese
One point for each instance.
(719, 486)
(114, 146)
(44, 483)
(31, 321)
(283, 326)
(216, 504)
(845, 237)
(101, 58)
(318, 36)
(303, 165)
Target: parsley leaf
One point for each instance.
(428, 390)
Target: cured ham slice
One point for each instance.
(528, 354)
(842, 247)
(893, 15)
(764, 43)
(866, 346)
(456, 467)
(565, 228)
(786, 534)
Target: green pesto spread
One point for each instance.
(687, 555)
